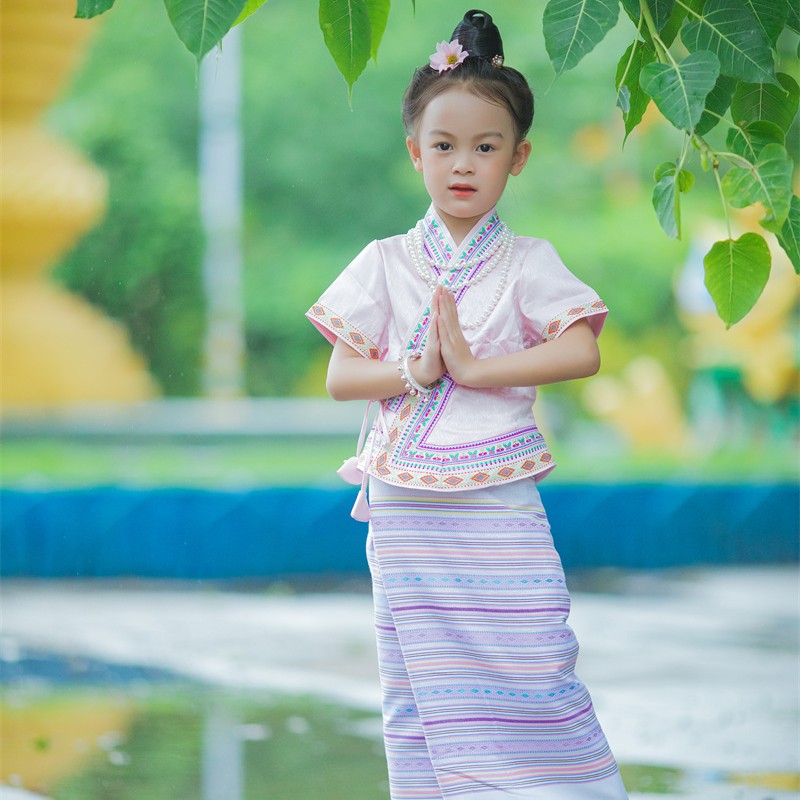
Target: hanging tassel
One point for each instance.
(360, 510)
(351, 472)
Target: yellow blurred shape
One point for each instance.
(56, 348)
(762, 346)
(780, 781)
(47, 741)
(642, 404)
(592, 143)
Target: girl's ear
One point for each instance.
(521, 155)
(414, 152)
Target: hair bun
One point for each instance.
(478, 35)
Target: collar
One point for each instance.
(442, 249)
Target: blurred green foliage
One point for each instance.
(41, 463)
(321, 180)
(142, 263)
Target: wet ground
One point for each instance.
(694, 674)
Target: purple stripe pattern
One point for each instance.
(480, 697)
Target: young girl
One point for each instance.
(451, 327)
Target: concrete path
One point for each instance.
(696, 669)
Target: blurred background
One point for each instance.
(168, 452)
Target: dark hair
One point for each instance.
(481, 73)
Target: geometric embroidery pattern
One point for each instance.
(357, 339)
(562, 321)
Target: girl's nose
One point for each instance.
(463, 164)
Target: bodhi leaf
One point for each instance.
(771, 16)
(666, 203)
(729, 29)
(749, 140)
(736, 271)
(667, 24)
(631, 98)
(769, 182)
(680, 90)
(572, 28)
(201, 24)
(378, 11)
(685, 178)
(766, 101)
(250, 7)
(717, 103)
(789, 237)
(346, 30)
(87, 9)
(679, 13)
(666, 196)
(793, 20)
(660, 10)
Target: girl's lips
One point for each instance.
(462, 190)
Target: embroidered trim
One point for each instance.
(438, 249)
(344, 330)
(406, 459)
(562, 321)
(435, 477)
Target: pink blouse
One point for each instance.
(456, 437)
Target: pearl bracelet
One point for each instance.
(413, 386)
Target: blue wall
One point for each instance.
(269, 533)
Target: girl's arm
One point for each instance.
(353, 377)
(574, 354)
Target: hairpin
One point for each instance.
(447, 56)
(497, 61)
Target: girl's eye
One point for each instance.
(485, 148)
(443, 146)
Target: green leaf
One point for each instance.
(771, 16)
(378, 11)
(633, 9)
(631, 98)
(789, 237)
(764, 101)
(729, 29)
(666, 196)
(572, 28)
(677, 17)
(201, 24)
(685, 181)
(680, 90)
(749, 140)
(663, 169)
(668, 28)
(345, 28)
(793, 20)
(769, 182)
(250, 7)
(87, 9)
(736, 271)
(661, 11)
(717, 103)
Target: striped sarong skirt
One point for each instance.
(480, 698)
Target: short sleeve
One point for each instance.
(354, 307)
(551, 298)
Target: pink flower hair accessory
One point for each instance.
(447, 56)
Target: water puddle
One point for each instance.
(78, 729)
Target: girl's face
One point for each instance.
(465, 147)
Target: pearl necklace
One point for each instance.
(500, 241)
(500, 255)
(425, 265)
